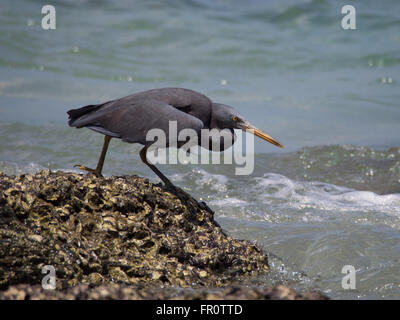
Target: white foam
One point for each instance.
(11, 168)
(324, 196)
(216, 182)
(229, 202)
(276, 193)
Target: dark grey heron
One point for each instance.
(130, 118)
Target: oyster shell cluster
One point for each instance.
(122, 230)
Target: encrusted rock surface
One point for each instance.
(118, 292)
(119, 229)
(114, 238)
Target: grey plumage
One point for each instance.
(130, 118)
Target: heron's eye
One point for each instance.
(234, 118)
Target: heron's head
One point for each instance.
(226, 117)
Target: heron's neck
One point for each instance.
(213, 122)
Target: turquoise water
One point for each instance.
(331, 96)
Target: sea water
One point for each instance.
(331, 198)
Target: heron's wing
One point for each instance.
(132, 120)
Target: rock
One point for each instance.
(118, 238)
(120, 292)
(118, 229)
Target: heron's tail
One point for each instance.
(75, 114)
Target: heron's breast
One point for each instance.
(216, 139)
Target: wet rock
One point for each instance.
(119, 238)
(120, 292)
(122, 230)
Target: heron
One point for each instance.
(130, 118)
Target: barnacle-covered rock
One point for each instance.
(125, 230)
(118, 292)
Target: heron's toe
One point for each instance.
(95, 172)
(81, 167)
(178, 192)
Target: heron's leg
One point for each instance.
(99, 167)
(152, 167)
(178, 191)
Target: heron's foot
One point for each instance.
(170, 187)
(95, 172)
(183, 195)
(178, 192)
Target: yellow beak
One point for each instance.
(262, 135)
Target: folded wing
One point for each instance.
(131, 120)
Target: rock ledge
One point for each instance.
(120, 229)
(119, 238)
